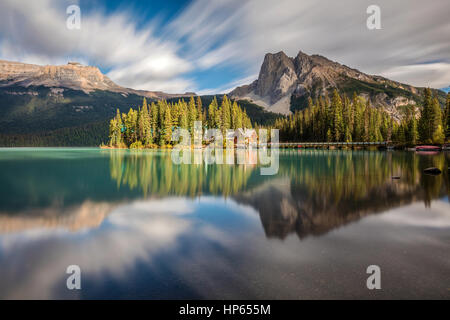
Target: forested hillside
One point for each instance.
(41, 116)
(340, 119)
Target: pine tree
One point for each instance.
(438, 135)
(183, 117)
(425, 123)
(218, 117)
(338, 126)
(412, 127)
(225, 111)
(234, 116)
(212, 109)
(140, 128)
(436, 119)
(329, 135)
(154, 113)
(358, 119)
(166, 135)
(401, 134)
(130, 120)
(115, 130)
(199, 109)
(192, 114)
(144, 126)
(347, 120)
(366, 133)
(446, 121)
(240, 118)
(348, 135)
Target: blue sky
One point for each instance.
(212, 46)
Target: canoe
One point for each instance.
(428, 148)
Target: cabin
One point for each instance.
(244, 138)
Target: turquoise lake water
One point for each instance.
(140, 226)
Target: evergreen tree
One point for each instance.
(446, 122)
(144, 126)
(358, 118)
(401, 134)
(130, 121)
(199, 109)
(438, 135)
(192, 114)
(166, 134)
(413, 133)
(115, 130)
(140, 128)
(225, 112)
(425, 123)
(338, 125)
(183, 120)
(154, 113)
(212, 110)
(366, 123)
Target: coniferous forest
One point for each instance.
(340, 119)
(152, 124)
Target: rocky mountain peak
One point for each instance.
(285, 83)
(72, 75)
(276, 77)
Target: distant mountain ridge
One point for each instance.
(57, 100)
(71, 105)
(284, 84)
(73, 75)
(447, 89)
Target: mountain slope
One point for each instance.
(38, 99)
(73, 76)
(284, 84)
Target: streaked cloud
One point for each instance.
(35, 32)
(413, 45)
(413, 32)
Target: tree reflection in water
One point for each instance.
(314, 191)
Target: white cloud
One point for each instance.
(419, 74)
(229, 86)
(208, 34)
(36, 32)
(413, 32)
(413, 215)
(134, 232)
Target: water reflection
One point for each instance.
(141, 226)
(314, 191)
(159, 175)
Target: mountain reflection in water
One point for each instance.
(134, 219)
(314, 191)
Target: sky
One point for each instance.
(208, 47)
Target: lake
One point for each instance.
(140, 226)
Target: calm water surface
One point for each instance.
(140, 226)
